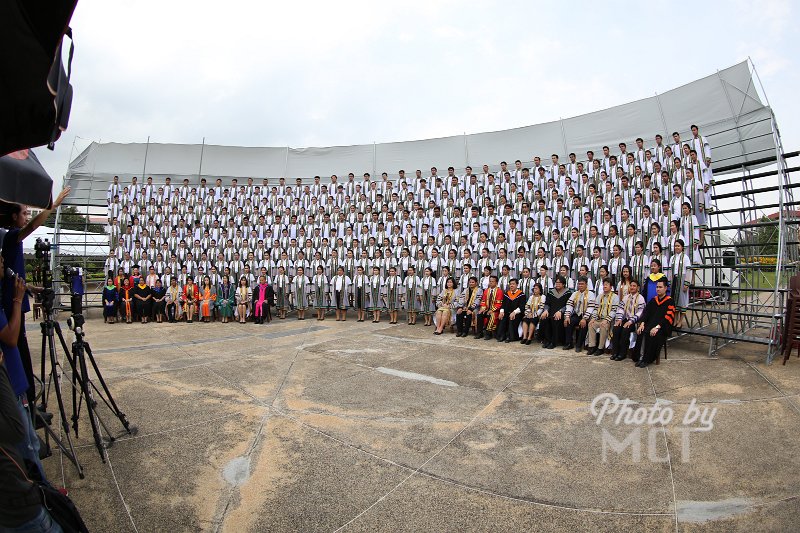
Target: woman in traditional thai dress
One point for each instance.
(282, 291)
(639, 263)
(428, 292)
(226, 299)
(174, 308)
(533, 310)
(243, 296)
(624, 283)
(680, 267)
(690, 233)
(301, 289)
(655, 237)
(603, 274)
(393, 291)
(320, 293)
(446, 301)
(615, 264)
(360, 293)
(412, 297)
(375, 294)
(191, 294)
(674, 235)
(341, 289)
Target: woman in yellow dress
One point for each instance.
(445, 303)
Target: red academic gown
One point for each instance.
(492, 303)
(194, 296)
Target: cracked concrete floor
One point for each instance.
(320, 426)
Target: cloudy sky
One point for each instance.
(337, 73)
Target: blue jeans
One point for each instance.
(43, 523)
(29, 447)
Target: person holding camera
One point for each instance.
(16, 218)
(10, 325)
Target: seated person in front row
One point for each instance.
(191, 294)
(628, 315)
(511, 313)
(469, 301)
(533, 310)
(655, 325)
(580, 307)
(552, 318)
(605, 310)
(489, 310)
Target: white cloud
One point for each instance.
(325, 73)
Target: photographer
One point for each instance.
(10, 326)
(20, 503)
(16, 218)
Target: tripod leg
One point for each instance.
(68, 450)
(76, 408)
(44, 359)
(91, 404)
(116, 410)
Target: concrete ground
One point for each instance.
(320, 426)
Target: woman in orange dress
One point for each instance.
(208, 295)
(126, 301)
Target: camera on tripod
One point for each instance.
(42, 247)
(74, 280)
(85, 390)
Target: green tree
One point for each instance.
(73, 220)
(762, 241)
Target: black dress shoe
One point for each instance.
(528, 342)
(567, 347)
(508, 340)
(549, 346)
(523, 341)
(578, 349)
(590, 351)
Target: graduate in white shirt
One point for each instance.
(341, 290)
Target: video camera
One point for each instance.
(72, 276)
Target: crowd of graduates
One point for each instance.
(552, 252)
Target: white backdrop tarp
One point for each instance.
(725, 105)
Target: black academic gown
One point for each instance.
(509, 328)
